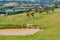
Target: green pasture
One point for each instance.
(50, 21)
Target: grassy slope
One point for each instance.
(51, 22)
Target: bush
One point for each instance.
(8, 26)
(14, 26)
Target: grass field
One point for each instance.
(50, 21)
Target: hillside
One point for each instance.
(51, 23)
(30, 1)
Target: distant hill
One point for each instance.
(19, 2)
(29, 2)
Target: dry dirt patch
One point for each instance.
(21, 32)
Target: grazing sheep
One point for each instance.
(33, 26)
(30, 25)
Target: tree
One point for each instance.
(56, 3)
(32, 14)
(36, 9)
(56, 6)
(28, 15)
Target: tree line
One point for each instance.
(36, 9)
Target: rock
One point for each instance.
(2, 14)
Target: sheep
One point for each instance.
(30, 25)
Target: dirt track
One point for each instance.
(21, 32)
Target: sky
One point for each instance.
(58, 0)
(21, 0)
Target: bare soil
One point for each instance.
(21, 32)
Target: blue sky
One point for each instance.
(15, 0)
(58, 0)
